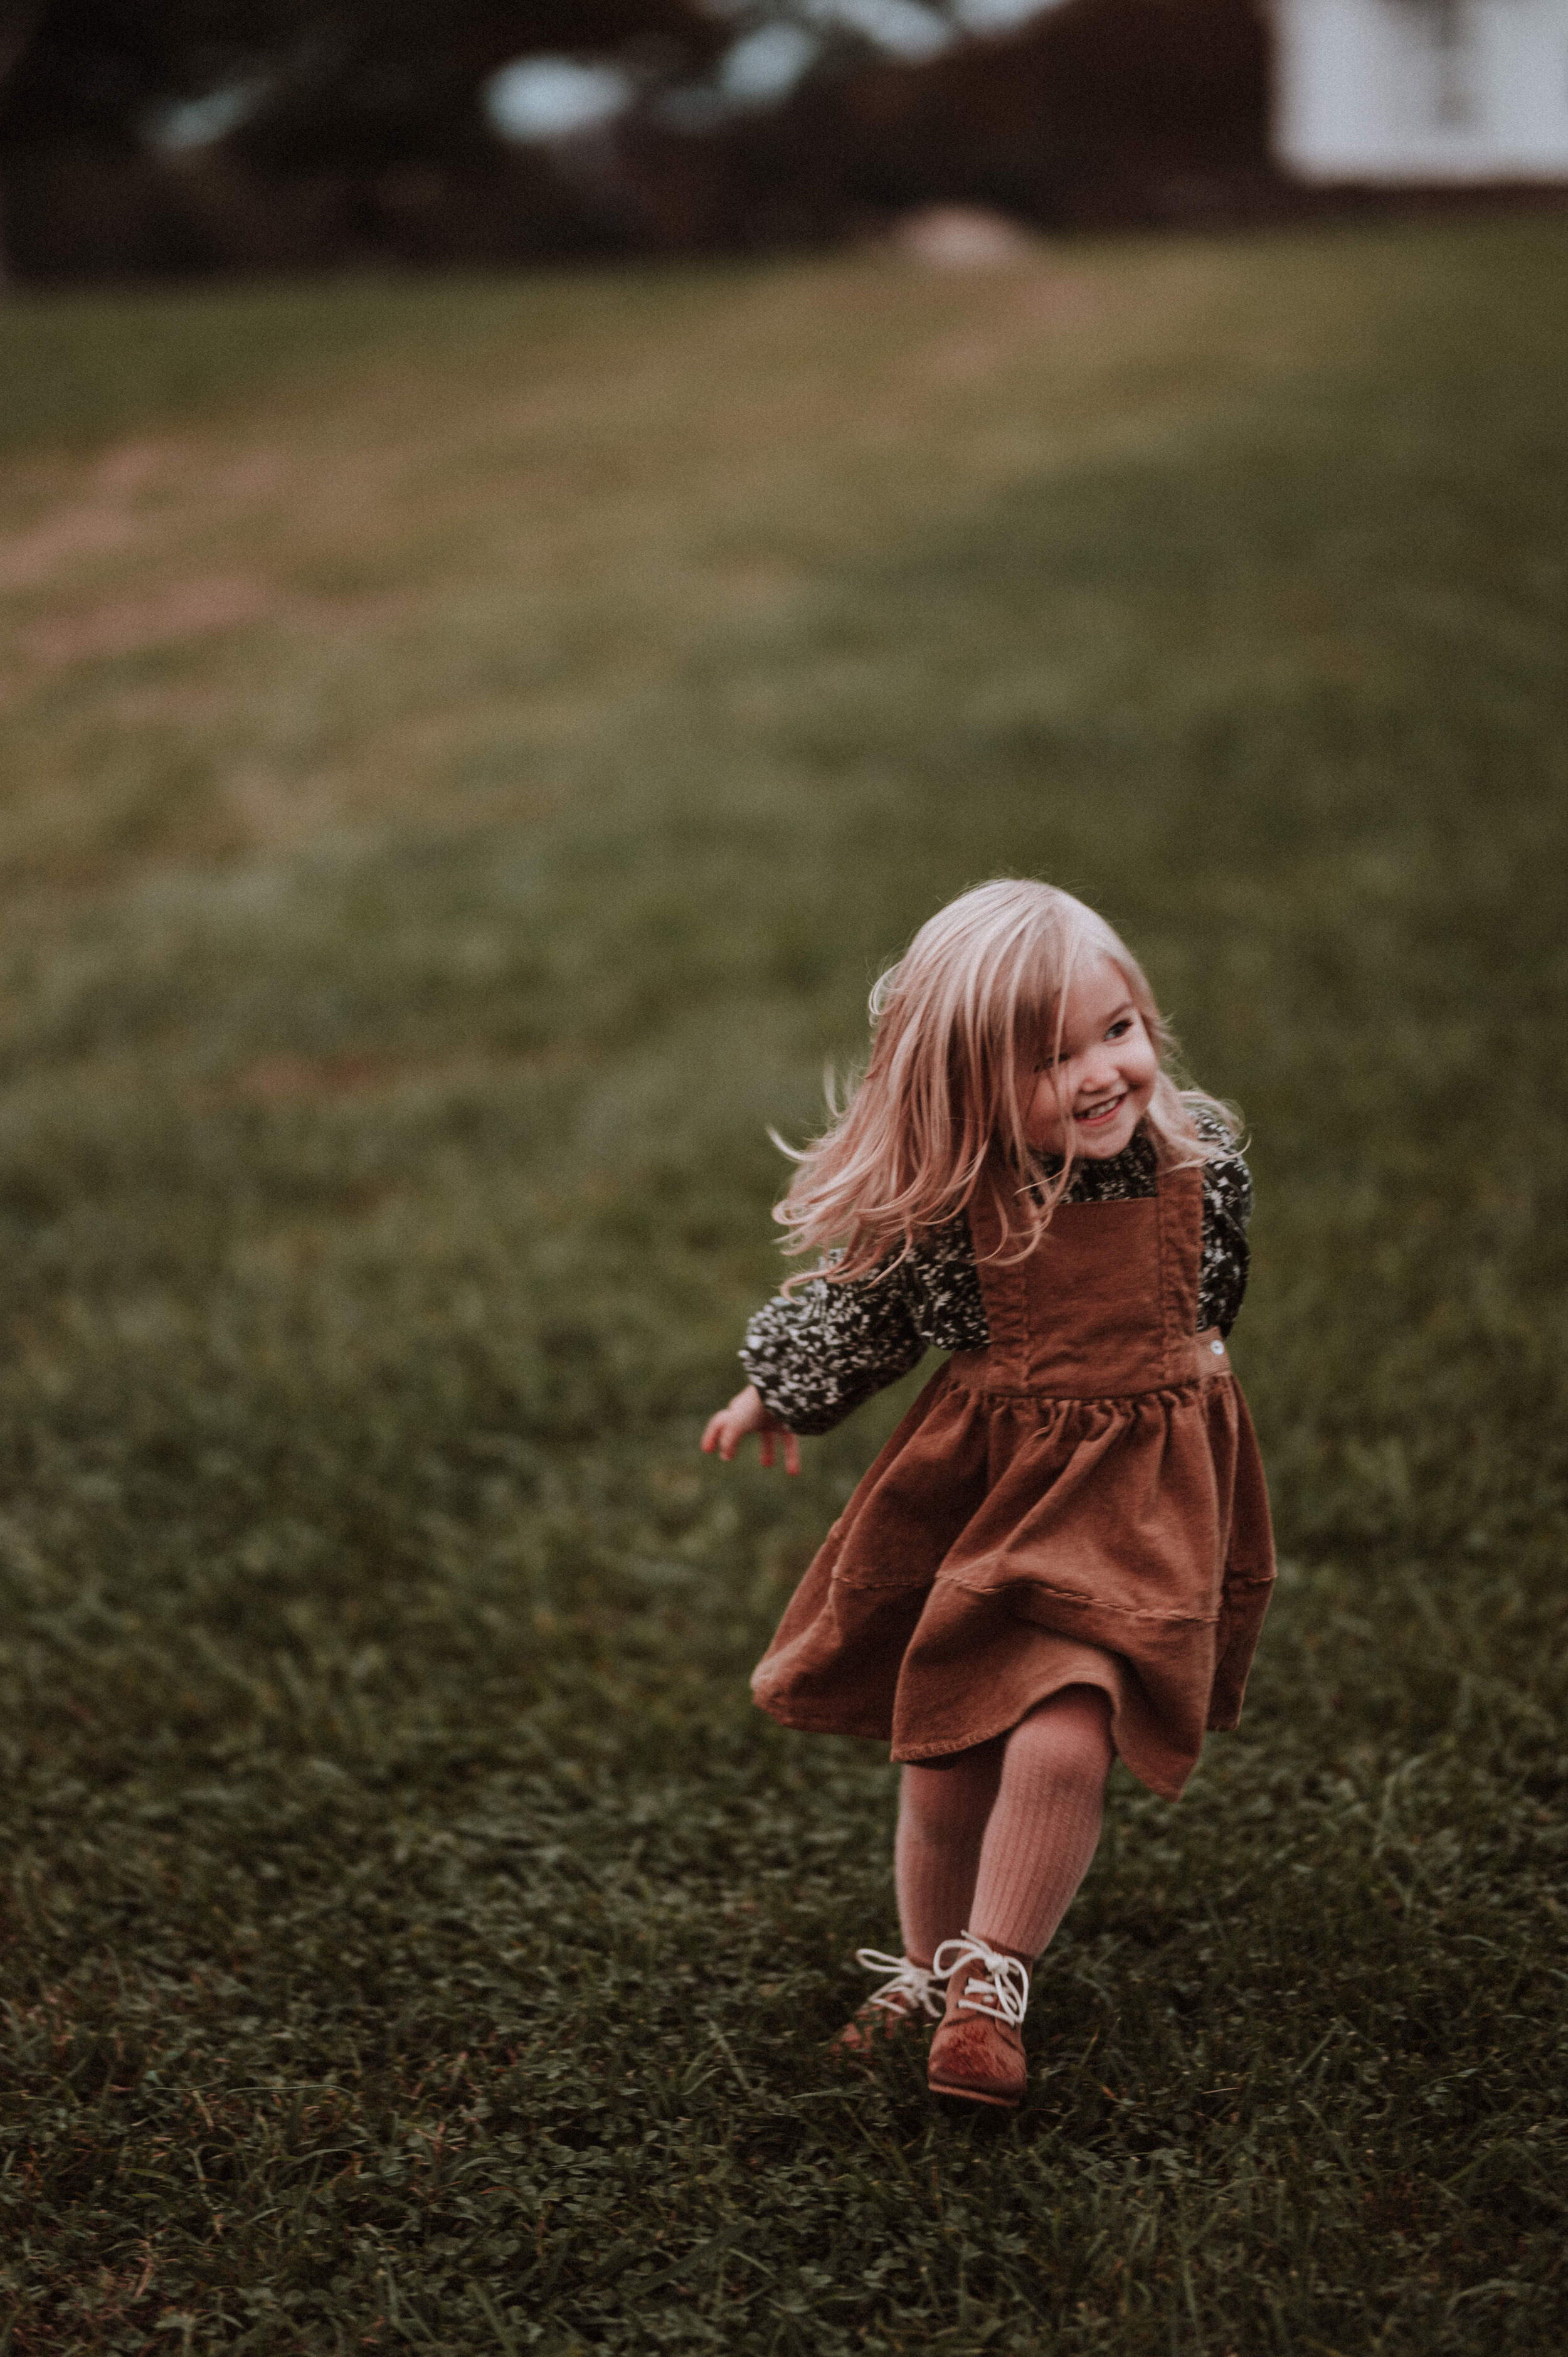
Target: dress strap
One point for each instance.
(1180, 1202)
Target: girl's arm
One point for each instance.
(812, 1356)
(1227, 1207)
(815, 1354)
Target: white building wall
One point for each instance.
(1422, 90)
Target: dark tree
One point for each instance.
(356, 78)
(340, 94)
(1097, 110)
(362, 136)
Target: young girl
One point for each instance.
(1062, 1554)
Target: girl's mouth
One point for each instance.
(1097, 1115)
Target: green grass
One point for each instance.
(414, 1940)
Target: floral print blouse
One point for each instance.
(817, 1354)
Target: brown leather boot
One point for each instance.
(907, 1999)
(978, 2050)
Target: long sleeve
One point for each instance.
(817, 1353)
(1222, 1272)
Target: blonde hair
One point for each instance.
(938, 1113)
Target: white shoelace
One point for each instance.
(910, 1984)
(1001, 1991)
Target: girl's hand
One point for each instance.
(745, 1413)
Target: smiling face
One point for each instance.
(1104, 1069)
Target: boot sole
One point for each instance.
(976, 2095)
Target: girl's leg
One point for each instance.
(942, 1814)
(1039, 1841)
(936, 1854)
(1044, 1826)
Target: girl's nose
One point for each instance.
(1097, 1072)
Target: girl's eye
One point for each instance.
(1119, 1030)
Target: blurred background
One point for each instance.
(180, 136)
(537, 545)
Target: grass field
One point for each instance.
(464, 750)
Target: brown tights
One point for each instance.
(998, 1841)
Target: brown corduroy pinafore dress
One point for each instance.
(1080, 1504)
